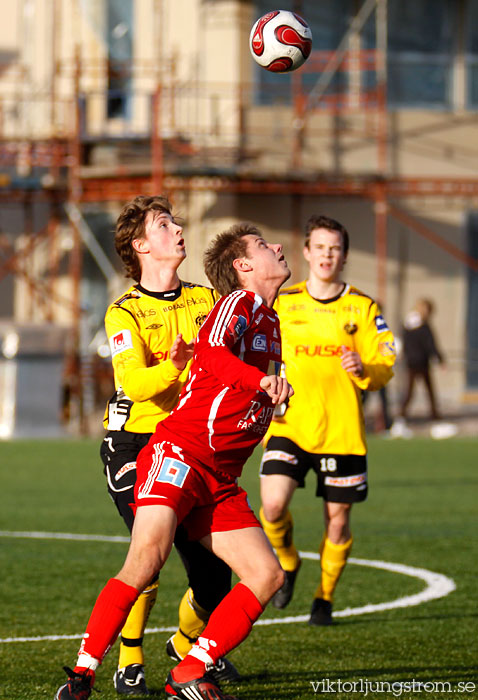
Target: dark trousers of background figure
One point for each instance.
(384, 421)
(424, 375)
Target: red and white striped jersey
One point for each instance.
(222, 413)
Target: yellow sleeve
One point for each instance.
(133, 371)
(376, 347)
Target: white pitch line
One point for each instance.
(438, 586)
(63, 536)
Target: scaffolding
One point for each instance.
(186, 137)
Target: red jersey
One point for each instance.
(222, 413)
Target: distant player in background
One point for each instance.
(150, 329)
(335, 345)
(188, 471)
(419, 349)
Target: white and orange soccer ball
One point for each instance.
(280, 41)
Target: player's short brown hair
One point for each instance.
(319, 221)
(131, 225)
(221, 253)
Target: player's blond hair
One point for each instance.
(131, 226)
(221, 253)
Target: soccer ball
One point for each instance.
(280, 41)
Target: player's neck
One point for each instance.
(163, 280)
(267, 293)
(324, 289)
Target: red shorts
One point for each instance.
(203, 500)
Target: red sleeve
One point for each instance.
(220, 339)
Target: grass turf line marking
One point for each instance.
(438, 586)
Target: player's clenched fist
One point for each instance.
(278, 388)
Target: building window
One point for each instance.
(420, 53)
(471, 53)
(422, 40)
(119, 26)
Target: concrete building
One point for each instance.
(101, 100)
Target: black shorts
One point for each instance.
(208, 576)
(119, 451)
(340, 478)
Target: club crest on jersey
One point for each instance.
(200, 319)
(381, 324)
(259, 342)
(387, 349)
(350, 328)
(121, 341)
(237, 326)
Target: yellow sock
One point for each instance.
(192, 621)
(279, 535)
(333, 558)
(131, 649)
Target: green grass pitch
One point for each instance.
(421, 512)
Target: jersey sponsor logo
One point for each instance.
(345, 482)
(121, 341)
(258, 319)
(146, 313)
(259, 342)
(193, 302)
(319, 350)
(381, 324)
(350, 308)
(324, 310)
(182, 305)
(387, 349)
(173, 472)
(161, 355)
(275, 347)
(279, 456)
(257, 419)
(129, 466)
(237, 326)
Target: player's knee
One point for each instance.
(273, 508)
(279, 579)
(275, 579)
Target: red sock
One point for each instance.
(228, 626)
(107, 618)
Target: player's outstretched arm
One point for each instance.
(181, 352)
(278, 388)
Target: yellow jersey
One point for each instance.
(325, 413)
(141, 327)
